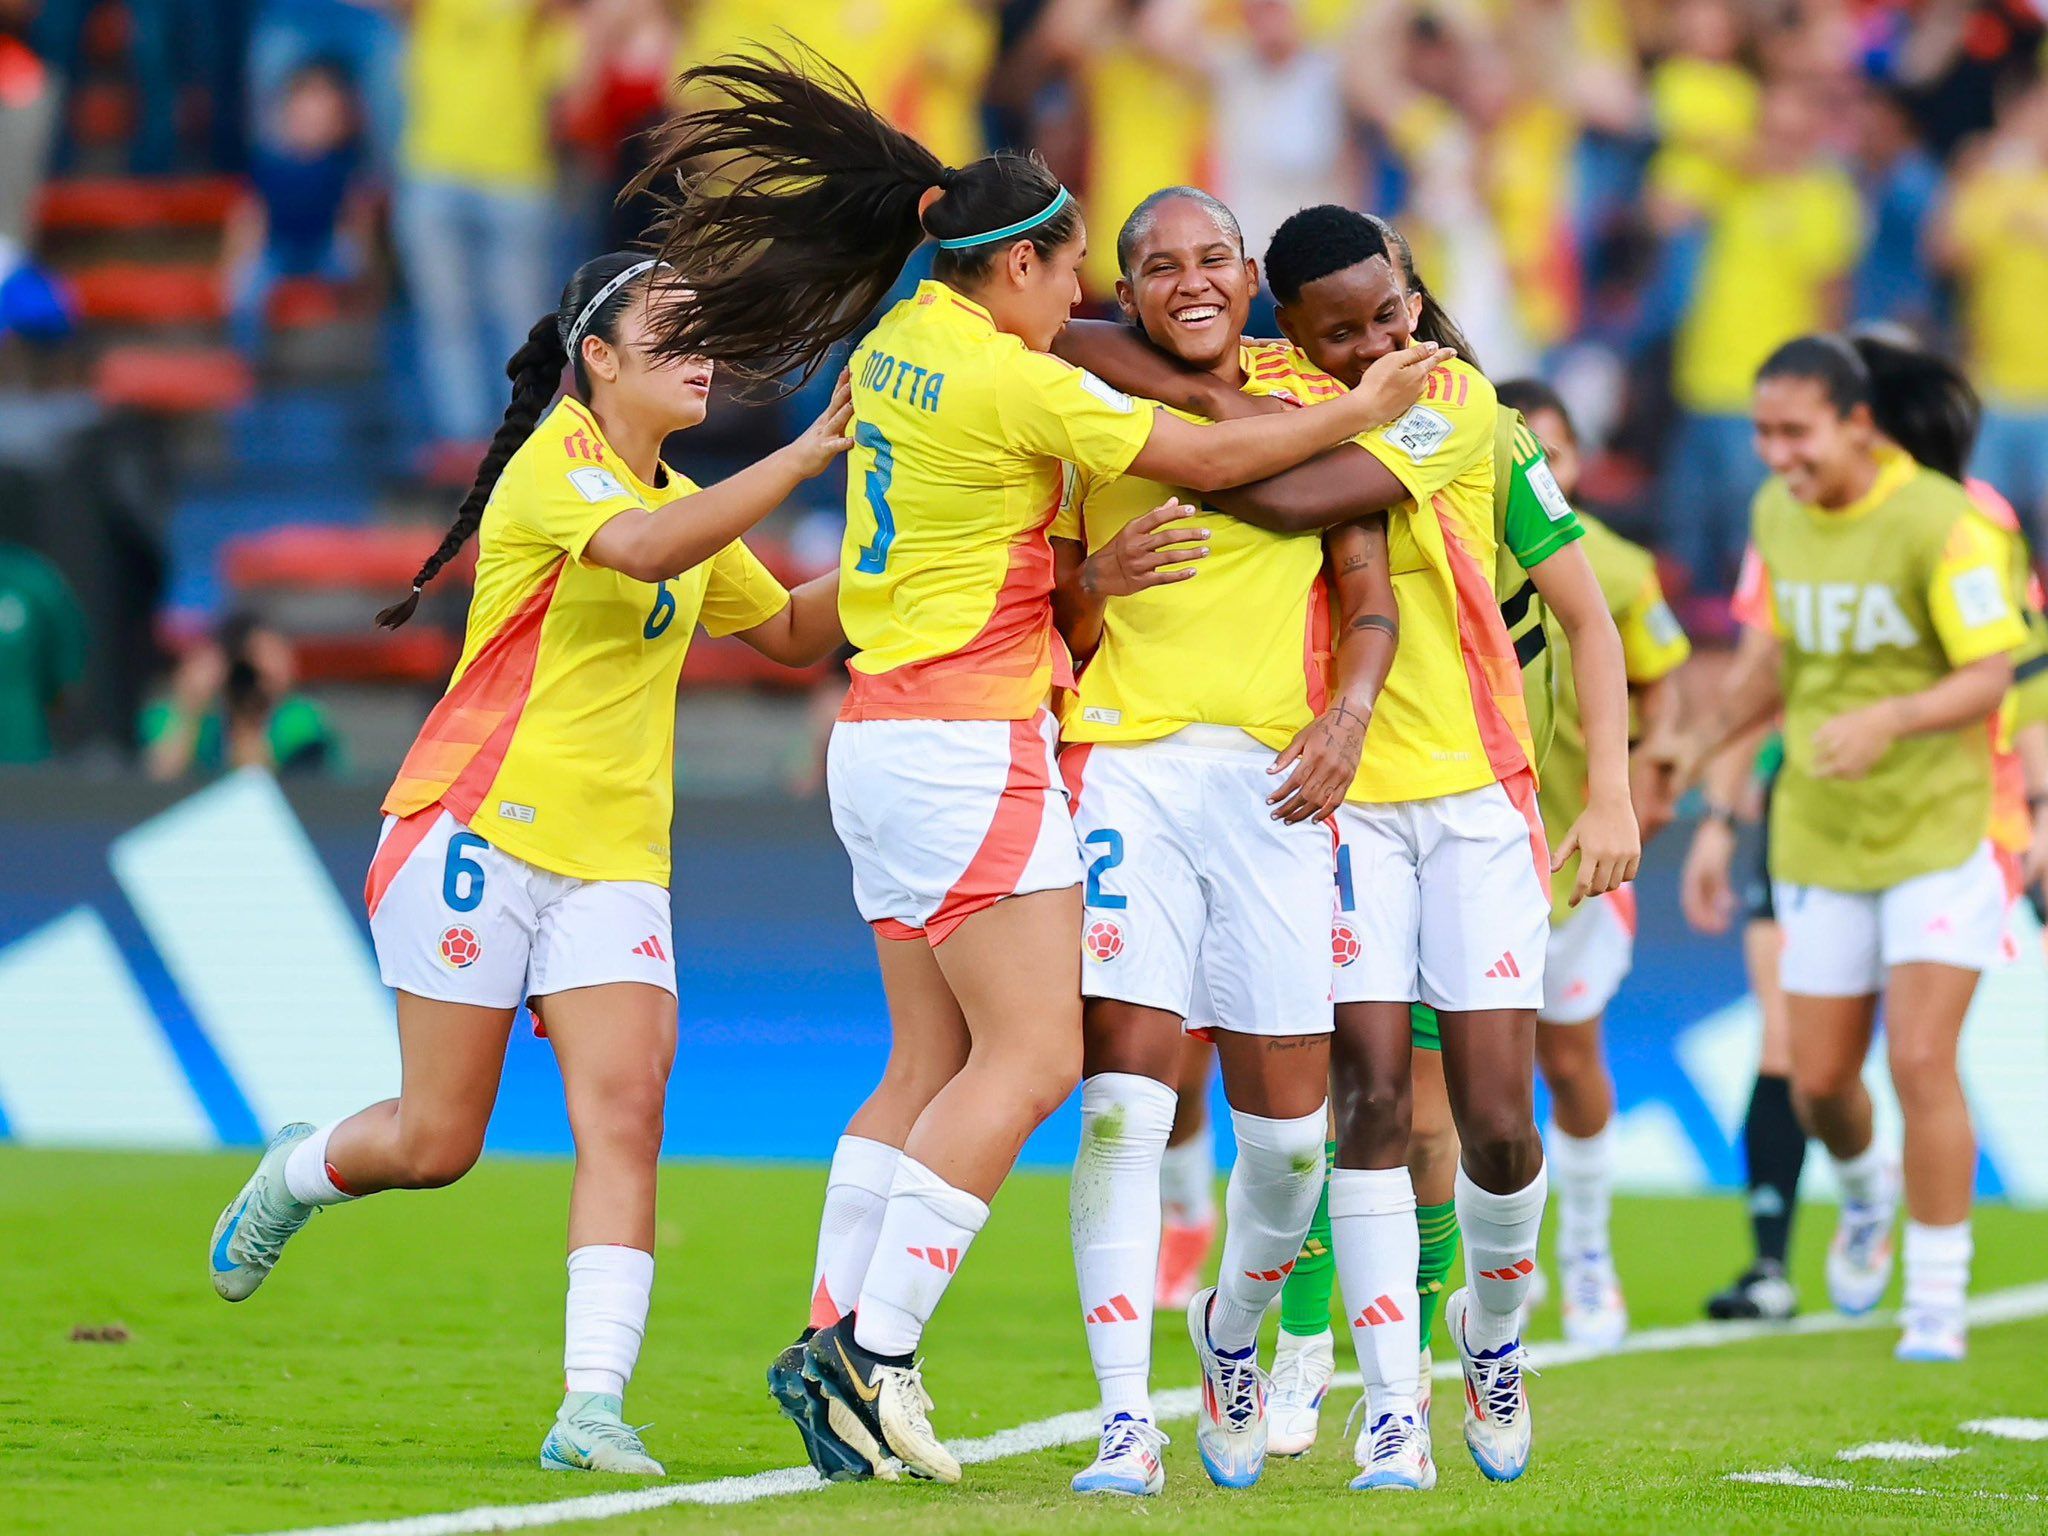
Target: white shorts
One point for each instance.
(1589, 958)
(1187, 869)
(1444, 901)
(1841, 943)
(459, 921)
(943, 818)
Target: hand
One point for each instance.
(826, 438)
(1676, 760)
(1397, 381)
(1649, 789)
(1850, 745)
(200, 675)
(1324, 757)
(1139, 556)
(1609, 846)
(1704, 893)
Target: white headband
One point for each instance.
(590, 310)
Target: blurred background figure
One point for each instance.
(43, 642)
(231, 703)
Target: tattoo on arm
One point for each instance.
(1377, 621)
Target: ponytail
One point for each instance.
(1434, 323)
(790, 207)
(1920, 401)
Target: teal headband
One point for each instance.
(1021, 227)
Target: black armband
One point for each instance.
(1378, 621)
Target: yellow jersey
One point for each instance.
(956, 473)
(555, 741)
(1246, 644)
(1148, 127)
(482, 78)
(1998, 222)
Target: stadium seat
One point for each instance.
(149, 293)
(88, 204)
(173, 381)
(380, 559)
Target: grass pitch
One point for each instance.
(404, 1361)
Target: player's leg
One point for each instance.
(1187, 1174)
(1304, 1353)
(1924, 1009)
(1433, 1166)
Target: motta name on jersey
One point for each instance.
(1829, 618)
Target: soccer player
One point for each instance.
(525, 851)
(1205, 848)
(1592, 945)
(1888, 597)
(799, 210)
(1447, 862)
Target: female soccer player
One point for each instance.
(1888, 598)
(525, 852)
(801, 209)
(1198, 858)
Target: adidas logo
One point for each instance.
(1117, 1309)
(947, 1259)
(1521, 1269)
(1503, 969)
(1380, 1311)
(650, 948)
(1271, 1274)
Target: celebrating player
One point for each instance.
(1887, 594)
(525, 852)
(800, 210)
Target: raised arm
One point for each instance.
(1119, 355)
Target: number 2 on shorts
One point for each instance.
(1112, 844)
(874, 558)
(462, 879)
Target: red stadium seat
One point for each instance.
(101, 203)
(173, 381)
(149, 293)
(378, 560)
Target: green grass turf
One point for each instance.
(405, 1360)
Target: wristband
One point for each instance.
(1724, 814)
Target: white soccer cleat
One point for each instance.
(1933, 1335)
(1594, 1313)
(1860, 1258)
(1302, 1369)
(1230, 1425)
(258, 1222)
(1393, 1452)
(1496, 1398)
(590, 1436)
(1127, 1461)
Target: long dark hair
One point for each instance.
(790, 207)
(1435, 322)
(1315, 242)
(536, 374)
(1920, 401)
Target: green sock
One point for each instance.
(1305, 1298)
(1438, 1227)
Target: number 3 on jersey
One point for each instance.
(874, 557)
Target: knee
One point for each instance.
(1818, 1087)
(1502, 1151)
(435, 1156)
(1431, 1152)
(1047, 1082)
(1284, 1152)
(629, 1113)
(1566, 1056)
(1374, 1122)
(1921, 1068)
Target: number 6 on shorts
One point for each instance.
(462, 879)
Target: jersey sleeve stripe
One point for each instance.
(998, 864)
(1492, 669)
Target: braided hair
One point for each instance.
(536, 374)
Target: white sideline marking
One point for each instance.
(1898, 1450)
(1786, 1477)
(2008, 1306)
(2009, 1429)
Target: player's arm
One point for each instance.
(1344, 485)
(1706, 894)
(2030, 741)
(1657, 705)
(1324, 753)
(684, 533)
(1606, 837)
(807, 629)
(1120, 355)
(1154, 550)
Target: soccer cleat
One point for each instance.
(804, 1406)
(1933, 1335)
(1302, 1369)
(1183, 1250)
(877, 1406)
(1860, 1257)
(253, 1230)
(589, 1436)
(1760, 1292)
(1127, 1461)
(1594, 1313)
(1496, 1398)
(1230, 1425)
(1394, 1453)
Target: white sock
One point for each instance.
(1863, 1177)
(307, 1178)
(1272, 1199)
(1187, 1179)
(1500, 1255)
(1113, 1216)
(1937, 1266)
(1372, 1227)
(925, 1234)
(1583, 1171)
(609, 1288)
(856, 1193)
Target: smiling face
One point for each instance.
(1190, 285)
(636, 382)
(1350, 319)
(1824, 455)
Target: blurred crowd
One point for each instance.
(1636, 198)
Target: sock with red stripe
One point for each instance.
(1113, 1216)
(307, 1177)
(925, 1233)
(609, 1288)
(1500, 1256)
(856, 1194)
(1272, 1198)
(1585, 1189)
(1372, 1227)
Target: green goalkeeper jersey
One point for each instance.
(1532, 521)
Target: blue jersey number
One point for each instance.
(1112, 845)
(661, 615)
(462, 879)
(874, 558)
